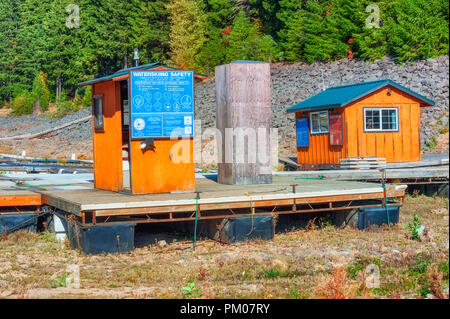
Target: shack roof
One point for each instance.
(340, 96)
(123, 73)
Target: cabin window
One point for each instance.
(319, 122)
(381, 119)
(98, 113)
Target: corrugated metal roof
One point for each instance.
(123, 72)
(340, 96)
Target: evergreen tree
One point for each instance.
(61, 48)
(152, 31)
(419, 29)
(324, 33)
(264, 13)
(109, 31)
(10, 81)
(244, 42)
(372, 41)
(219, 18)
(200, 34)
(220, 13)
(187, 34)
(213, 51)
(291, 32)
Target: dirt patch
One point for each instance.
(301, 263)
(5, 111)
(442, 143)
(54, 147)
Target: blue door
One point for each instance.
(302, 133)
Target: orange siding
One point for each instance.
(401, 146)
(20, 200)
(153, 171)
(320, 151)
(108, 144)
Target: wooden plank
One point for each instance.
(243, 105)
(227, 200)
(20, 200)
(247, 204)
(394, 173)
(62, 204)
(213, 197)
(362, 164)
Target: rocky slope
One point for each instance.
(291, 83)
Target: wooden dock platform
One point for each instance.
(286, 195)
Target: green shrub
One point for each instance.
(77, 101)
(432, 144)
(414, 226)
(63, 105)
(23, 103)
(87, 99)
(41, 91)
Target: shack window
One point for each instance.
(98, 113)
(319, 122)
(381, 119)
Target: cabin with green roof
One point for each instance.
(372, 119)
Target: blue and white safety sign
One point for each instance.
(162, 104)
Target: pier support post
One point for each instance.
(243, 119)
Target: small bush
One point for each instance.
(432, 144)
(64, 106)
(77, 101)
(414, 226)
(191, 291)
(87, 99)
(41, 91)
(272, 273)
(23, 103)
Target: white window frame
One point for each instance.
(320, 129)
(380, 109)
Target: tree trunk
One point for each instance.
(58, 86)
(125, 62)
(37, 106)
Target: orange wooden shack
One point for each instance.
(121, 163)
(372, 119)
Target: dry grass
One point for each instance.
(337, 285)
(320, 261)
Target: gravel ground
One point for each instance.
(76, 139)
(10, 126)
